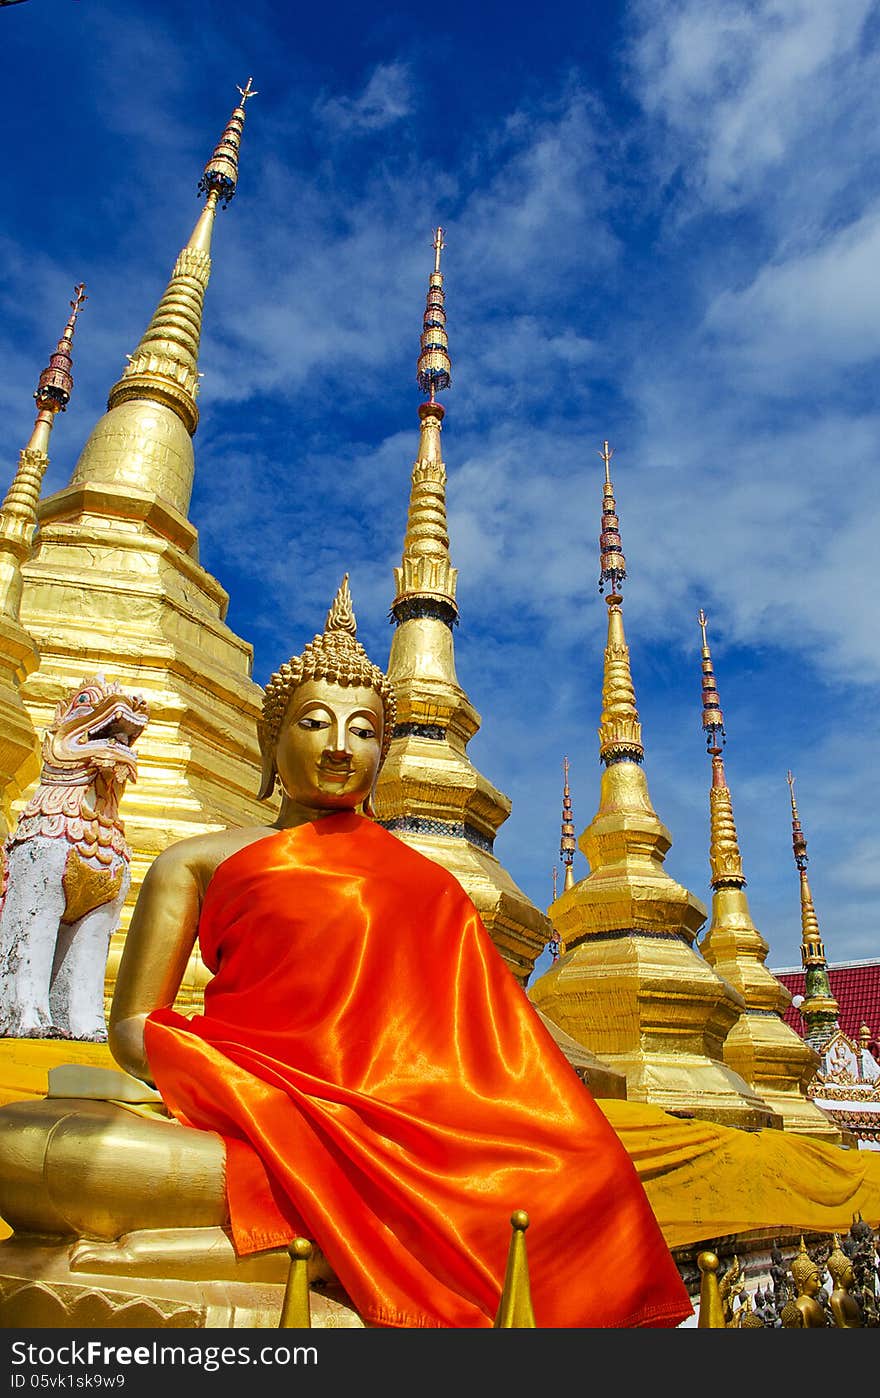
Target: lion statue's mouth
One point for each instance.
(123, 726)
(97, 726)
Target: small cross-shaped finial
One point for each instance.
(565, 769)
(606, 455)
(79, 296)
(794, 809)
(439, 245)
(702, 619)
(247, 92)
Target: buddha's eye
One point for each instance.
(312, 723)
(364, 732)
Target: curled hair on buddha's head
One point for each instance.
(335, 655)
(838, 1263)
(803, 1266)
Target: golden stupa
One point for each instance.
(116, 558)
(631, 986)
(761, 1047)
(429, 792)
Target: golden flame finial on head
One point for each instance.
(337, 656)
(56, 381)
(837, 1262)
(341, 614)
(612, 564)
(220, 175)
(433, 368)
(713, 718)
(803, 1267)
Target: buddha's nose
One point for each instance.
(340, 742)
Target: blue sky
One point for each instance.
(663, 228)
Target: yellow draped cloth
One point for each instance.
(706, 1181)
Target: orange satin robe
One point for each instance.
(384, 1087)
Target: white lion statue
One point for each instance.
(66, 869)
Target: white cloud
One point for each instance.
(386, 99)
(743, 85)
(808, 314)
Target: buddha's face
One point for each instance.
(812, 1283)
(329, 745)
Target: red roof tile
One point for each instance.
(855, 986)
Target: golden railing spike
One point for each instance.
(295, 1308)
(515, 1309)
(711, 1316)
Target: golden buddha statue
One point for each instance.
(844, 1307)
(367, 1075)
(804, 1310)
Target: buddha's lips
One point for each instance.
(335, 773)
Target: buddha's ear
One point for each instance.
(268, 776)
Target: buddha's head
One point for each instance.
(839, 1265)
(805, 1272)
(327, 719)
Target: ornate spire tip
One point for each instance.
(612, 564)
(56, 381)
(713, 718)
(433, 368)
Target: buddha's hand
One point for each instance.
(126, 1039)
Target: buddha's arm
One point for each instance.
(157, 948)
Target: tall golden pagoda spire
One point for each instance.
(18, 513)
(115, 586)
(761, 1047)
(19, 747)
(631, 986)
(143, 441)
(819, 1007)
(620, 733)
(429, 793)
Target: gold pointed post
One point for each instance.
(819, 1007)
(711, 1315)
(515, 1309)
(296, 1308)
(18, 513)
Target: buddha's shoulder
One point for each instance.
(202, 854)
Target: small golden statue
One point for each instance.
(805, 1311)
(746, 1317)
(844, 1307)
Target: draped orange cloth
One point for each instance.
(384, 1087)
